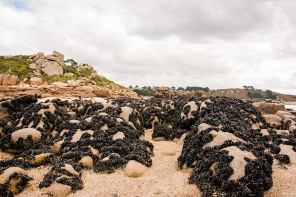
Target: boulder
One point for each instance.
(12, 80)
(1, 78)
(73, 83)
(83, 66)
(39, 55)
(135, 169)
(269, 108)
(60, 84)
(13, 180)
(33, 66)
(5, 79)
(51, 68)
(85, 91)
(36, 81)
(274, 120)
(285, 114)
(100, 92)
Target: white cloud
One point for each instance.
(165, 42)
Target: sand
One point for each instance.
(162, 179)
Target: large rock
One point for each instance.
(285, 114)
(100, 92)
(52, 68)
(135, 169)
(39, 55)
(274, 120)
(56, 56)
(73, 83)
(83, 66)
(5, 79)
(60, 84)
(12, 80)
(269, 108)
(1, 78)
(13, 180)
(36, 81)
(33, 66)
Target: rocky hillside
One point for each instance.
(22, 74)
(254, 95)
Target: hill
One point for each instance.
(51, 75)
(254, 95)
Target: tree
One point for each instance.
(71, 62)
(180, 89)
(250, 95)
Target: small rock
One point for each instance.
(135, 169)
(33, 66)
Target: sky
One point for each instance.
(207, 43)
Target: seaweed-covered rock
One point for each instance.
(13, 180)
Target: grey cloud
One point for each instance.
(193, 20)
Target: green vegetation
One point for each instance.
(103, 81)
(71, 62)
(194, 88)
(145, 91)
(257, 95)
(17, 65)
(54, 78)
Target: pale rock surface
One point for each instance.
(52, 68)
(36, 81)
(12, 80)
(60, 84)
(26, 132)
(33, 66)
(1, 78)
(135, 169)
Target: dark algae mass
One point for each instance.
(227, 142)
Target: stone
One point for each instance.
(273, 120)
(73, 83)
(135, 169)
(118, 135)
(12, 80)
(60, 84)
(5, 79)
(15, 184)
(85, 91)
(100, 92)
(83, 66)
(58, 190)
(36, 81)
(33, 66)
(51, 68)
(39, 55)
(25, 133)
(269, 108)
(285, 114)
(1, 78)
(86, 161)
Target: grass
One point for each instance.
(18, 66)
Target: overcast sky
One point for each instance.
(213, 43)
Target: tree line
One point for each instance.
(150, 91)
